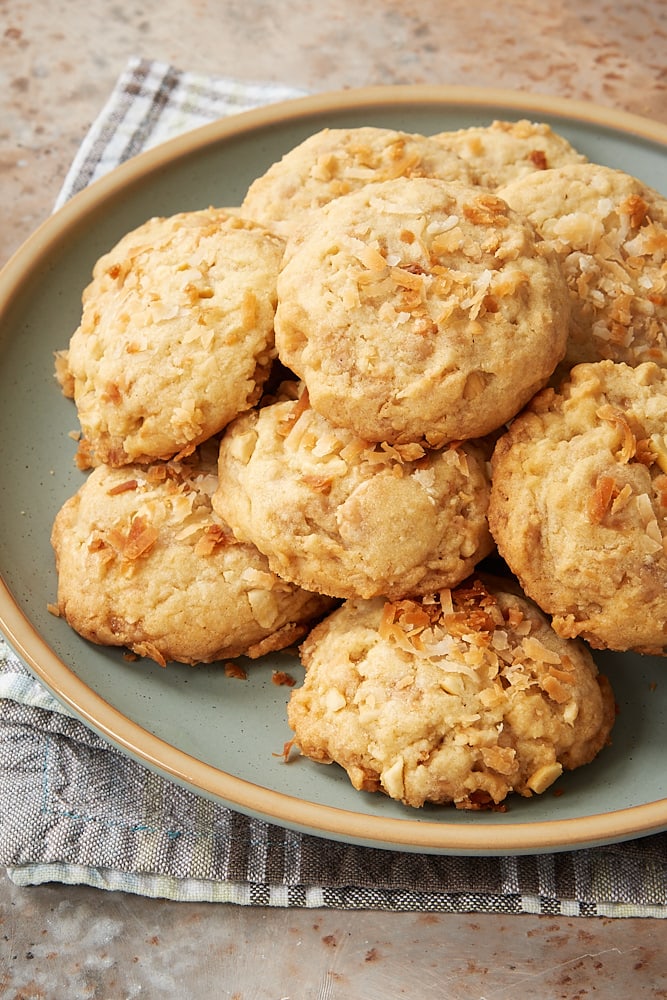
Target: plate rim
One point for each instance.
(314, 818)
(139, 743)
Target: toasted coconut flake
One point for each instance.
(372, 259)
(660, 486)
(635, 208)
(446, 602)
(618, 420)
(500, 759)
(288, 422)
(211, 539)
(319, 484)
(537, 651)
(645, 507)
(286, 751)
(125, 487)
(601, 498)
(151, 651)
(407, 452)
(406, 278)
(500, 639)
(487, 210)
(622, 499)
(448, 241)
(235, 670)
(282, 679)
(645, 452)
(137, 542)
(515, 617)
(159, 473)
(507, 284)
(556, 690)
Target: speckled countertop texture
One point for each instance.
(59, 60)
(58, 63)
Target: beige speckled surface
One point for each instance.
(58, 62)
(72, 944)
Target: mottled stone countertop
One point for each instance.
(58, 63)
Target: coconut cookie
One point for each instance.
(503, 151)
(176, 336)
(462, 697)
(333, 162)
(341, 516)
(431, 311)
(609, 231)
(579, 504)
(144, 562)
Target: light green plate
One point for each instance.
(222, 737)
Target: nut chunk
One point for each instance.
(462, 697)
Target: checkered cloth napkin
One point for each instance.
(75, 810)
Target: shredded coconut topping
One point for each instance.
(467, 632)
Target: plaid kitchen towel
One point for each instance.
(73, 809)
(151, 103)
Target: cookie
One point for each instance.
(144, 562)
(463, 697)
(579, 504)
(340, 516)
(609, 231)
(504, 151)
(333, 162)
(419, 310)
(176, 336)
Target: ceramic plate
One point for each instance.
(217, 736)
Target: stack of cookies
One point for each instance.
(312, 419)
